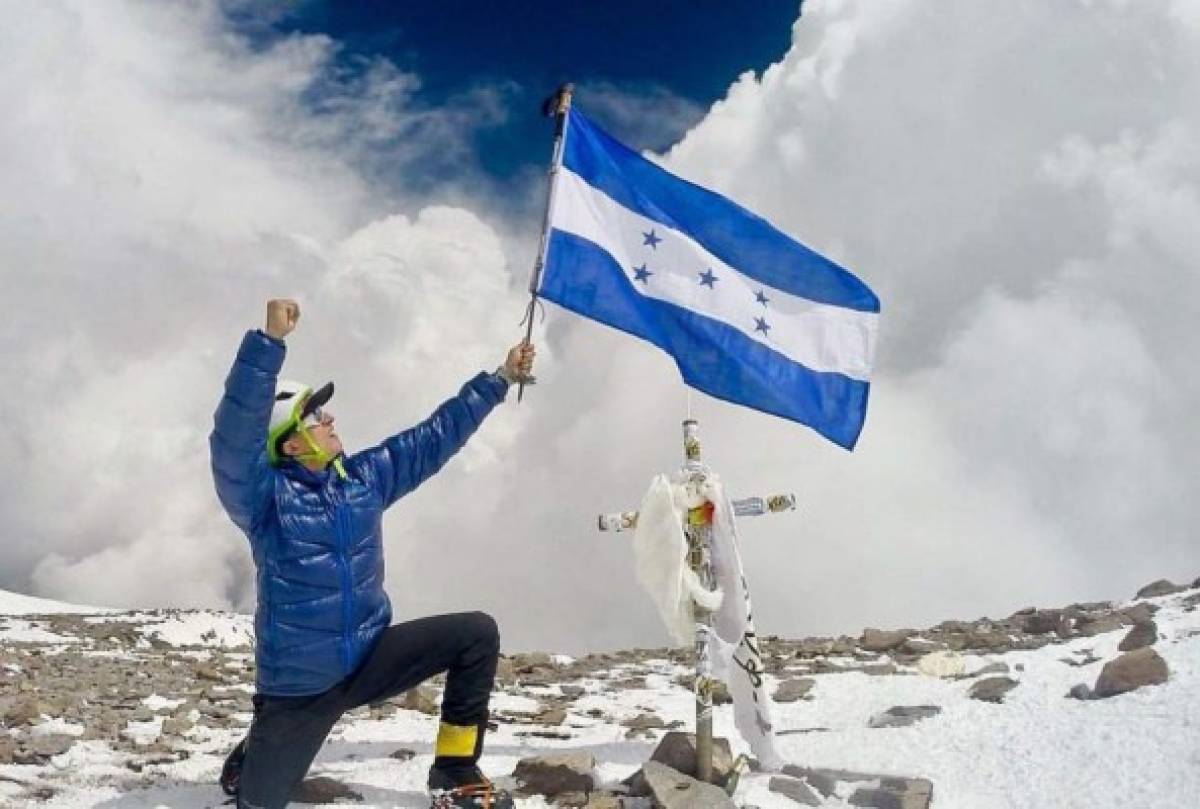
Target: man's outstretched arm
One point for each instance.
(406, 460)
(238, 442)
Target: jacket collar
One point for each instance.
(302, 474)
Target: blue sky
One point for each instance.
(649, 70)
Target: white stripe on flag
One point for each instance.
(819, 336)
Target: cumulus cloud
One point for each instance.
(159, 180)
(1024, 204)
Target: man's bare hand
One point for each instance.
(519, 363)
(282, 315)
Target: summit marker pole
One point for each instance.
(697, 530)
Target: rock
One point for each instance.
(176, 726)
(992, 689)
(206, 672)
(1080, 691)
(1130, 671)
(51, 744)
(677, 750)
(917, 645)
(794, 689)
(823, 781)
(1140, 613)
(7, 748)
(575, 800)
(20, 711)
(323, 789)
(1162, 587)
(879, 791)
(1099, 626)
(551, 716)
(572, 691)
(644, 721)
(599, 800)
(895, 793)
(674, 790)
(505, 672)
(988, 639)
(903, 715)
(1041, 622)
(532, 661)
(402, 754)
(1196, 583)
(420, 699)
(878, 640)
(556, 773)
(795, 789)
(1141, 636)
(991, 668)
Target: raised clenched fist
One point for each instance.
(282, 315)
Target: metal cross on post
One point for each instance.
(698, 532)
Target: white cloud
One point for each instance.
(1024, 205)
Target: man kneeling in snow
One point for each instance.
(312, 514)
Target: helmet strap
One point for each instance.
(317, 454)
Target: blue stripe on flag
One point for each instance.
(713, 357)
(744, 241)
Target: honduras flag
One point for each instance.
(749, 315)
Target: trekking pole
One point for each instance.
(557, 105)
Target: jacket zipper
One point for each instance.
(347, 583)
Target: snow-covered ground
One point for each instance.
(1036, 750)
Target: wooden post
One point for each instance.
(699, 538)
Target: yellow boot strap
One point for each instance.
(456, 740)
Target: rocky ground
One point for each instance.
(153, 689)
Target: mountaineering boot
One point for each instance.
(455, 781)
(465, 789)
(231, 772)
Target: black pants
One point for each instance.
(287, 732)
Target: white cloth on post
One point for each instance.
(660, 550)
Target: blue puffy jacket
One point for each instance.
(316, 537)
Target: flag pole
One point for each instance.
(557, 105)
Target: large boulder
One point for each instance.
(556, 774)
(671, 789)
(1162, 587)
(1130, 671)
(1141, 636)
(678, 751)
